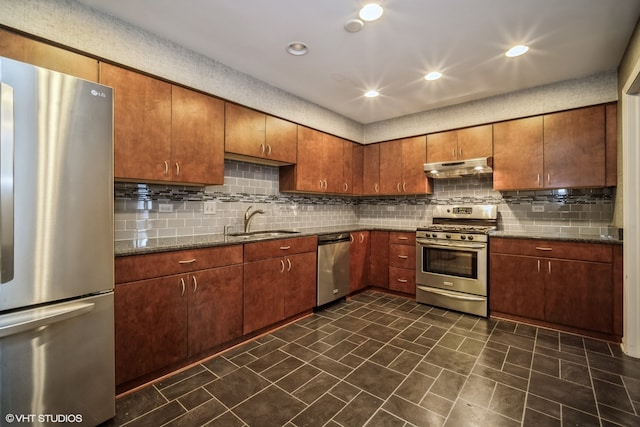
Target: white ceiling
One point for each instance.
(464, 39)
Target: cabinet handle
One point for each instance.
(460, 152)
(361, 237)
(195, 284)
(548, 178)
(351, 238)
(177, 169)
(321, 184)
(285, 248)
(326, 185)
(187, 261)
(541, 248)
(268, 150)
(538, 266)
(398, 187)
(376, 188)
(261, 148)
(453, 153)
(281, 266)
(538, 179)
(403, 238)
(289, 264)
(404, 187)
(402, 280)
(166, 168)
(346, 187)
(403, 256)
(183, 286)
(549, 267)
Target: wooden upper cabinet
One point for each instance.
(517, 154)
(164, 132)
(402, 166)
(254, 134)
(142, 124)
(320, 164)
(197, 137)
(371, 169)
(460, 144)
(611, 143)
(574, 148)
(347, 169)
(357, 169)
(44, 55)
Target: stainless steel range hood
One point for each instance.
(455, 169)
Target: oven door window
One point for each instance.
(451, 262)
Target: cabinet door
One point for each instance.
(379, 261)
(263, 293)
(215, 307)
(358, 256)
(574, 148)
(300, 283)
(516, 286)
(309, 166)
(197, 137)
(43, 55)
(347, 167)
(579, 294)
(371, 169)
(611, 137)
(142, 124)
(244, 131)
(402, 280)
(150, 326)
(414, 156)
(402, 256)
(332, 164)
(391, 167)
(476, 141)
(442, 146)
(517, 154)
(281, 140)
(357, 169)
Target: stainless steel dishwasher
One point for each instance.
(333, 267)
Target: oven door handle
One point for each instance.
(451, 294)
(430, 244)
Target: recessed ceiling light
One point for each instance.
(371, 12)
(371, 93)
(354, 25)
(434, 75)
(517, 51)
(297, 48)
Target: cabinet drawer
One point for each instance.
(140, 267)
(402, 280)
(553, 249)
(281, 247)
(402, 238)
(402, 256)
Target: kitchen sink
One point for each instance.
(262, 234)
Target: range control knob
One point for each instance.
(463, 237)
(448, 236)
(470, 237)
(434, 235)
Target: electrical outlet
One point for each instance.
(209, 208)
(537, 208)
(165, 207)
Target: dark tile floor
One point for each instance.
(381, 360)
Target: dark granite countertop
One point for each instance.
(165, 244)
(567, 237)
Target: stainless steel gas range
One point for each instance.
(452, 258)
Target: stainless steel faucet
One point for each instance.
(248, 217)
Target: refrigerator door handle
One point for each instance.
(22, 322)
(6, 183)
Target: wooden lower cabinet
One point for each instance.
(402, 262)
(379, 260)
(163, 319)
(279, 281)
(358, 260)
(565, 284)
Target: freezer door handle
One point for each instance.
(13, 324)
(6, 183)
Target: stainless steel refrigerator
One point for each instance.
(56, 236)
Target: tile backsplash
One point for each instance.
(137, 206)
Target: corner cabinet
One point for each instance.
(164, 132)
(175, 305)
(568, 149)
(255, 136)
(460, 144)
(563, 284)
(320, 166)
(279, 281)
